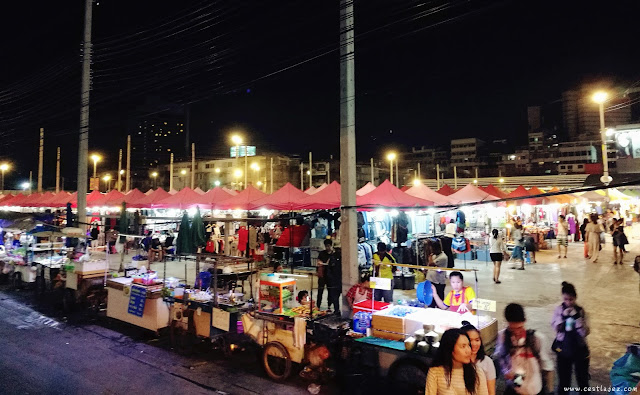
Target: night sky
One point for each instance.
(426, 72)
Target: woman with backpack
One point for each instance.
(570, 345)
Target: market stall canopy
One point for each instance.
(31, 200)
(135, 195)
(471, 194)
(592, 196)
(62, 198)
(149, 200)
(629, 192)
(521, 192)
(50, 199)
(561, 199)
(214, 196)
(173, 192)
(534, 190)
(243, 200)
(113, 198)
(47, 196)
(495, 191)
(94, 196)
(149, 192)
(368, 187)
(15, 200)
(388, 195)
(405, 188)
(186, 198)
(321, 187)
(446, 190)
(424, 192)
(311, 190)
(286, 198)
(324, 199)
(199, 191)
(230, 191)
(5, 198)
(614, 194)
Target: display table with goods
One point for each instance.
(138, 301)
(85, 281)
(539, 235)
(399, 341)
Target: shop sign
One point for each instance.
(484, 305)
(94, 183)
(380, 283)
(137, 300)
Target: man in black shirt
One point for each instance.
(330, 275)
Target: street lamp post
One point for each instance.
(391, 156)
(3, 167)
(154, 175)
(107, 179)
(600, 97)
(96, 159)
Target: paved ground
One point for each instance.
(97, 355)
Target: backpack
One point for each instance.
(533, 381)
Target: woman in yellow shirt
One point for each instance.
(453, 372)
(459, 298)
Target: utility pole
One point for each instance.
(438, 176)
(419, 175)
(119, 183)
(455, 177)
(40, 160)
(328, 172)
(302, 175)
(271, 181)
(128, 175)
(348, 239)
(246, 165)
(30, 182)
(397, 175)
(310, 170)
(372, 179)
(58, 171)
(171, 172)
(193, 165)
(83, 146)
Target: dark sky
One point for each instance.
(427, 71)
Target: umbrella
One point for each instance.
(124, 222)
(197, 230)
(184, 243)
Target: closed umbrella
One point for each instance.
(184, 243)
(197, 230)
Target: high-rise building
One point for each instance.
(467, 154)
(581, 116)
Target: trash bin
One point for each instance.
(409, 281)
(397, 282)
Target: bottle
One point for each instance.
(568, 325)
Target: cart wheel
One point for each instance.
(408, 375)
(17, 280)
(276, 361)
(68, 300)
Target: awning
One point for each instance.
(388, 195)
(243, 200)
(327, 198)
(286, 198)
(424, 192)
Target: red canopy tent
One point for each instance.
(521, 192)
(446, 190)
(561, 199)
(388, 195)
(494, 191)
(286, 198)
(214, 196)
(6, 198)
(133, 196)
(41, 202)
(94, 196)
(199, 191)
(324, 199)
(230, 191)
(405, 188)
(424, 192)
(173, 192)
(186, 198)
(113, 198)
(149, 192)
(243, 200)
(48, 200)
(15, 200)
(368, 187)
(471, 194)
(62, 198)
(31, 200)
(149, 200)
(321, 187)
(310, 191)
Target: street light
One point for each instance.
(600, 97)
(106, 179)
(25, 185)
(95, 158)
(3, 168)
(501, 181)
(154, 175)
(183, 172)
(416, 182)
(391, 156)
(237, 140)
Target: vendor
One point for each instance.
(383, 268)
(459, 298)
(155, 250)
(360, 292)
(437, 277)
(303, 298)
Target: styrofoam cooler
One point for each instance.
(365, 305)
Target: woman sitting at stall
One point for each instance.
(155, 250)
(453, 371)
(478, 356)
(360, 292)
(459, 298)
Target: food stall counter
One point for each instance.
(136, 304)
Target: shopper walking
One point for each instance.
(562, 236)
(593, 231)
(518, 238)
(496, 251)
(523, 355)
(452, 371)
(583, 231)
(570, 345)
(323, 262)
